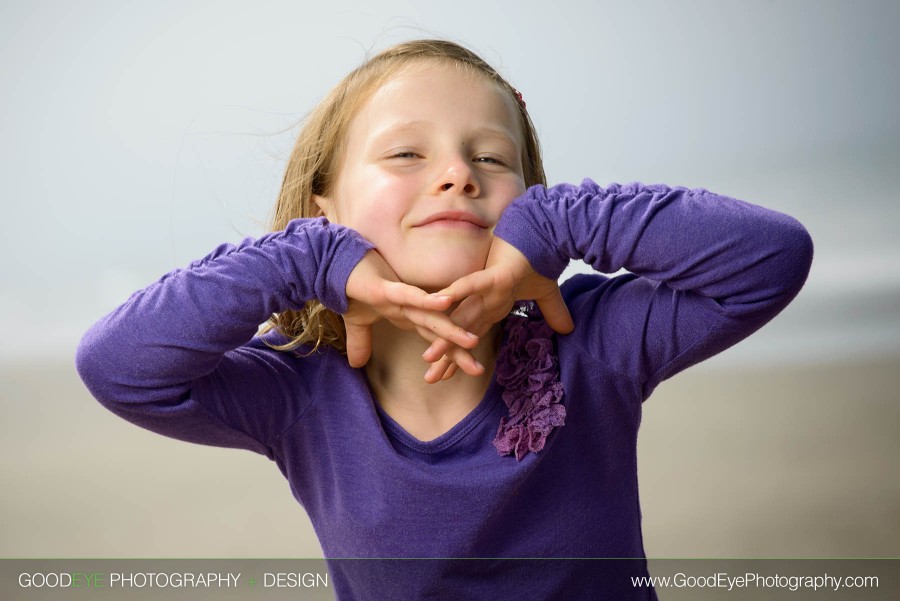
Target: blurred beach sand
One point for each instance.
(791, 461)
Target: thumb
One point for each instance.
(359, 343)
(555, 311)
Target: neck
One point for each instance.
(396, 374)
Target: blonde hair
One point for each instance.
(313, 164)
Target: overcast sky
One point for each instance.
(138, 136)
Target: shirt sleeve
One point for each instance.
(706, 270)
(179, 357)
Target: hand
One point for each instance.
(374, 292)
(488, 296)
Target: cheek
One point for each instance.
(374, 204)
(511, 191)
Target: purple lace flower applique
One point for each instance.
(527, 369)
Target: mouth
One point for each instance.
(454, 219)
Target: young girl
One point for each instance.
(414, 227)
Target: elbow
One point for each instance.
(95, 367)
(798, 250)
(786, 265)
(89, 364)
(119, 374)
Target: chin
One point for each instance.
(437, 279)
(433, 284)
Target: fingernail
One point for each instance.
(426, 353)
(479, 365)
(443, 297)
(472, 336)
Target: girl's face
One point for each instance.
(431, 161)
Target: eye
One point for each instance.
(406, 154)
(489, 160)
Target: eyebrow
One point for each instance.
(485, 130)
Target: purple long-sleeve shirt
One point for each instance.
(181, 358)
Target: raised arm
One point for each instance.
(174, 357)
(706, 270)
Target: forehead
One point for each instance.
(441, 95)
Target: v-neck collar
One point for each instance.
(449, 438)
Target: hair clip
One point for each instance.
(519, 97)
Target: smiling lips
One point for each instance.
(455, 219)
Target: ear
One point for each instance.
(326, 206)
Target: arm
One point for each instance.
(174, 358)
(707, 270)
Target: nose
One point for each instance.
(459, 177)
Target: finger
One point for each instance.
(451, 371)
(441, 326)
(437, 350)
(359, 343)
(437, 370)
(555, 312)
(463, 357)
(465, 360)
(466, 315)
(399, 293)
(474, 283)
